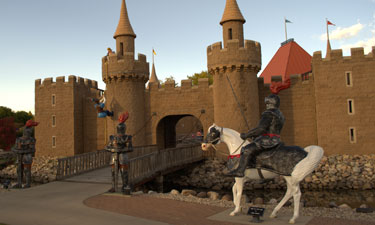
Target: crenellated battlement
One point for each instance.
(234, 56)
(186, 85)
(336, 54)
(117, 68)
(72, 81)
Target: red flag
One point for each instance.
(329, 23)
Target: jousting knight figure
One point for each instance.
(267, 134)
(119, 145)
(25, 150)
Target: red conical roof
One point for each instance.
(290, 59)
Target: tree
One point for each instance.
(203, 74)
(170, 78)
(22, 117)
(5, 112)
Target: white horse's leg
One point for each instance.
(296, 191)
(237, 194)
(286, 197)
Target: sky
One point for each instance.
(51, 38)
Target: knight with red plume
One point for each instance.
(267, 134)
(25, 150)
(119, 145)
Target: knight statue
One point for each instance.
(119, 145)
(25, 151)
(266, 135)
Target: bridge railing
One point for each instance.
(147, 166)
(74, 165)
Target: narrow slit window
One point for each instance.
(349, 81)
(352, 135)
(350, 106)
(53, 121)
(122, 48)
(53, 142)
(230, 36)
(53, 100)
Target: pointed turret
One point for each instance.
(232, 12)
(232, 22)
(124, 28)
(328, 53)
(153, 78)
(124, 34)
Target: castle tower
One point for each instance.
(235, 64)
(125, 79)
(153, 78)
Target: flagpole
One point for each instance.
(286, 36)
(327, 29)
(152, 55)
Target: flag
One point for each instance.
(153, 51)
(329, 23)
(287, 21)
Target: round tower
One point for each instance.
(235, 67)
(125, 79)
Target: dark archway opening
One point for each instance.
(176, 130)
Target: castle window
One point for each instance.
(53, 100)
(352, 135)
(121, 48)
(53, 121)
(350, 106)
(230, 37)
(348, 76)
(53, 142)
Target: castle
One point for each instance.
(331, 106)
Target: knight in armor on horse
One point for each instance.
(25, 150)
(119, 145)
(266, 135)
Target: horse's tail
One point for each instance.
(309, 163)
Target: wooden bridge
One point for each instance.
(145, 164)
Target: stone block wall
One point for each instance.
(333, 92)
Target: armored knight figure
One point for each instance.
(266, 135)
(25, 150)
(119, 145)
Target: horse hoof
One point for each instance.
(273, 216)
(234, 213)
(291, 221)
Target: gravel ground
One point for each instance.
(346, 213)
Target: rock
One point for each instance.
(187, 192)
(273, 201)
(175, 192)
(227, 197)
(202, 194)
(213, 195)
(332, 205)
(344, 206)
(151, 192)
(217, 187)
(363, 206)
(258, 201)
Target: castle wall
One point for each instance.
(332, 94)
(184, 100)
(72, 130)
(298, 106)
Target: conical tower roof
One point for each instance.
(153, 78)
(232, 12)
(290, 59)
(328, 53)
(124, 28)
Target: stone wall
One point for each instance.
(332, 93)
(335, 172)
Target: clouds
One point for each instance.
(366, 44)
(343, 33)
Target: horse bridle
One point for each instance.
(216, 139)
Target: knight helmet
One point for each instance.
(272, 101)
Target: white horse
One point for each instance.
(303, 168)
